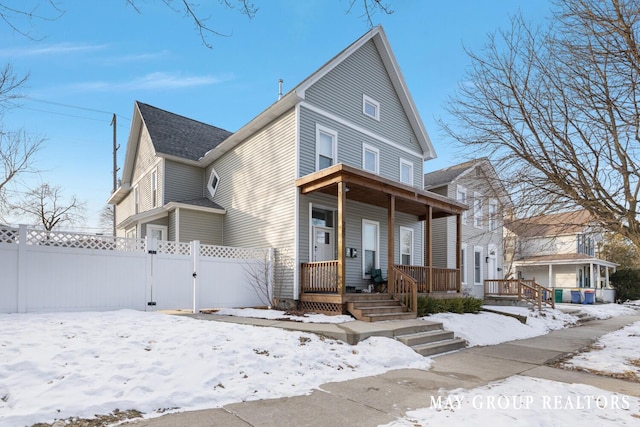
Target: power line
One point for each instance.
(75, 106)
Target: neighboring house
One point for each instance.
(330, 176)
(476, 184)
(560, 251)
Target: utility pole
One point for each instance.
(115, 169)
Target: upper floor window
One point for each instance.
(370, 107)
(326, 147)
(406, 172)
(461, 196)
(586, 245)
(477, 210)
(154, 188)
(370, 159)
(136, 199)
(212, 184)
(493, 215)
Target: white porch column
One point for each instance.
(551, 284)
(606, 275)
(592, 281)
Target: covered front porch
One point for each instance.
(323, 284)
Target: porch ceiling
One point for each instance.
(372, 189)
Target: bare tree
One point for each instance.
(106, 220)
(19, 17)
(47, 206)
(557, 110)
(259, 273)
(17, 157)
(200, 15)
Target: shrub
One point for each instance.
(429, 305)
(626, 282)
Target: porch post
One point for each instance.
(458, 250)
(342, 200)
(390, 234)
(550, 275)
(428, 248)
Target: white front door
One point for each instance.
(323, 244)
(492, 264)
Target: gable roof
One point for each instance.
(450, 174)
(573, 222)
(179, 136)
(297, 95)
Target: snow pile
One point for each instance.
(526, 401)
(281, 315)
(614, 353)
(54, 366)
(487, 328)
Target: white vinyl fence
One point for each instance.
(44, 271)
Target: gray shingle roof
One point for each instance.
(202, 202)
(448, 175)
(178, 135)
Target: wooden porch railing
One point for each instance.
(404, 288)
(319, 276)
(444, 279)
(524, 290)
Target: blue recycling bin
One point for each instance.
(576, 297)
(588, 297)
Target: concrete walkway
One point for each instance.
(380, 399)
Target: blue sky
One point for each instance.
(100, 56)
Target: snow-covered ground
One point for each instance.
(54, 366)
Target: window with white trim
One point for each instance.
(370, 159)
(370, 246)
(136, 199)
(477, 210)
(406, 172)
(212, 184)
(154, 188)
(463, 264)
(159, 232)
(406, 245)
(477, 265)
(326, 147)
(493, 215)
(370, 107)
(461, 196)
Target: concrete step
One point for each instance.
(439, 347)
(419, 338)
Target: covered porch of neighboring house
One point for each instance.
(323, 286)
(568, 272)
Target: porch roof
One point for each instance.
(559, 259)
(372, 189)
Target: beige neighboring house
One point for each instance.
(476, 184)
(330, 176)
(560, 251)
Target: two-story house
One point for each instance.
(476, 184)
(330, 175)
(560, 251)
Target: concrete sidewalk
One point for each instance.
(380, 399)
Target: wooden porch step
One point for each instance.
(389, 316)
(378, 308)
(429, 343)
